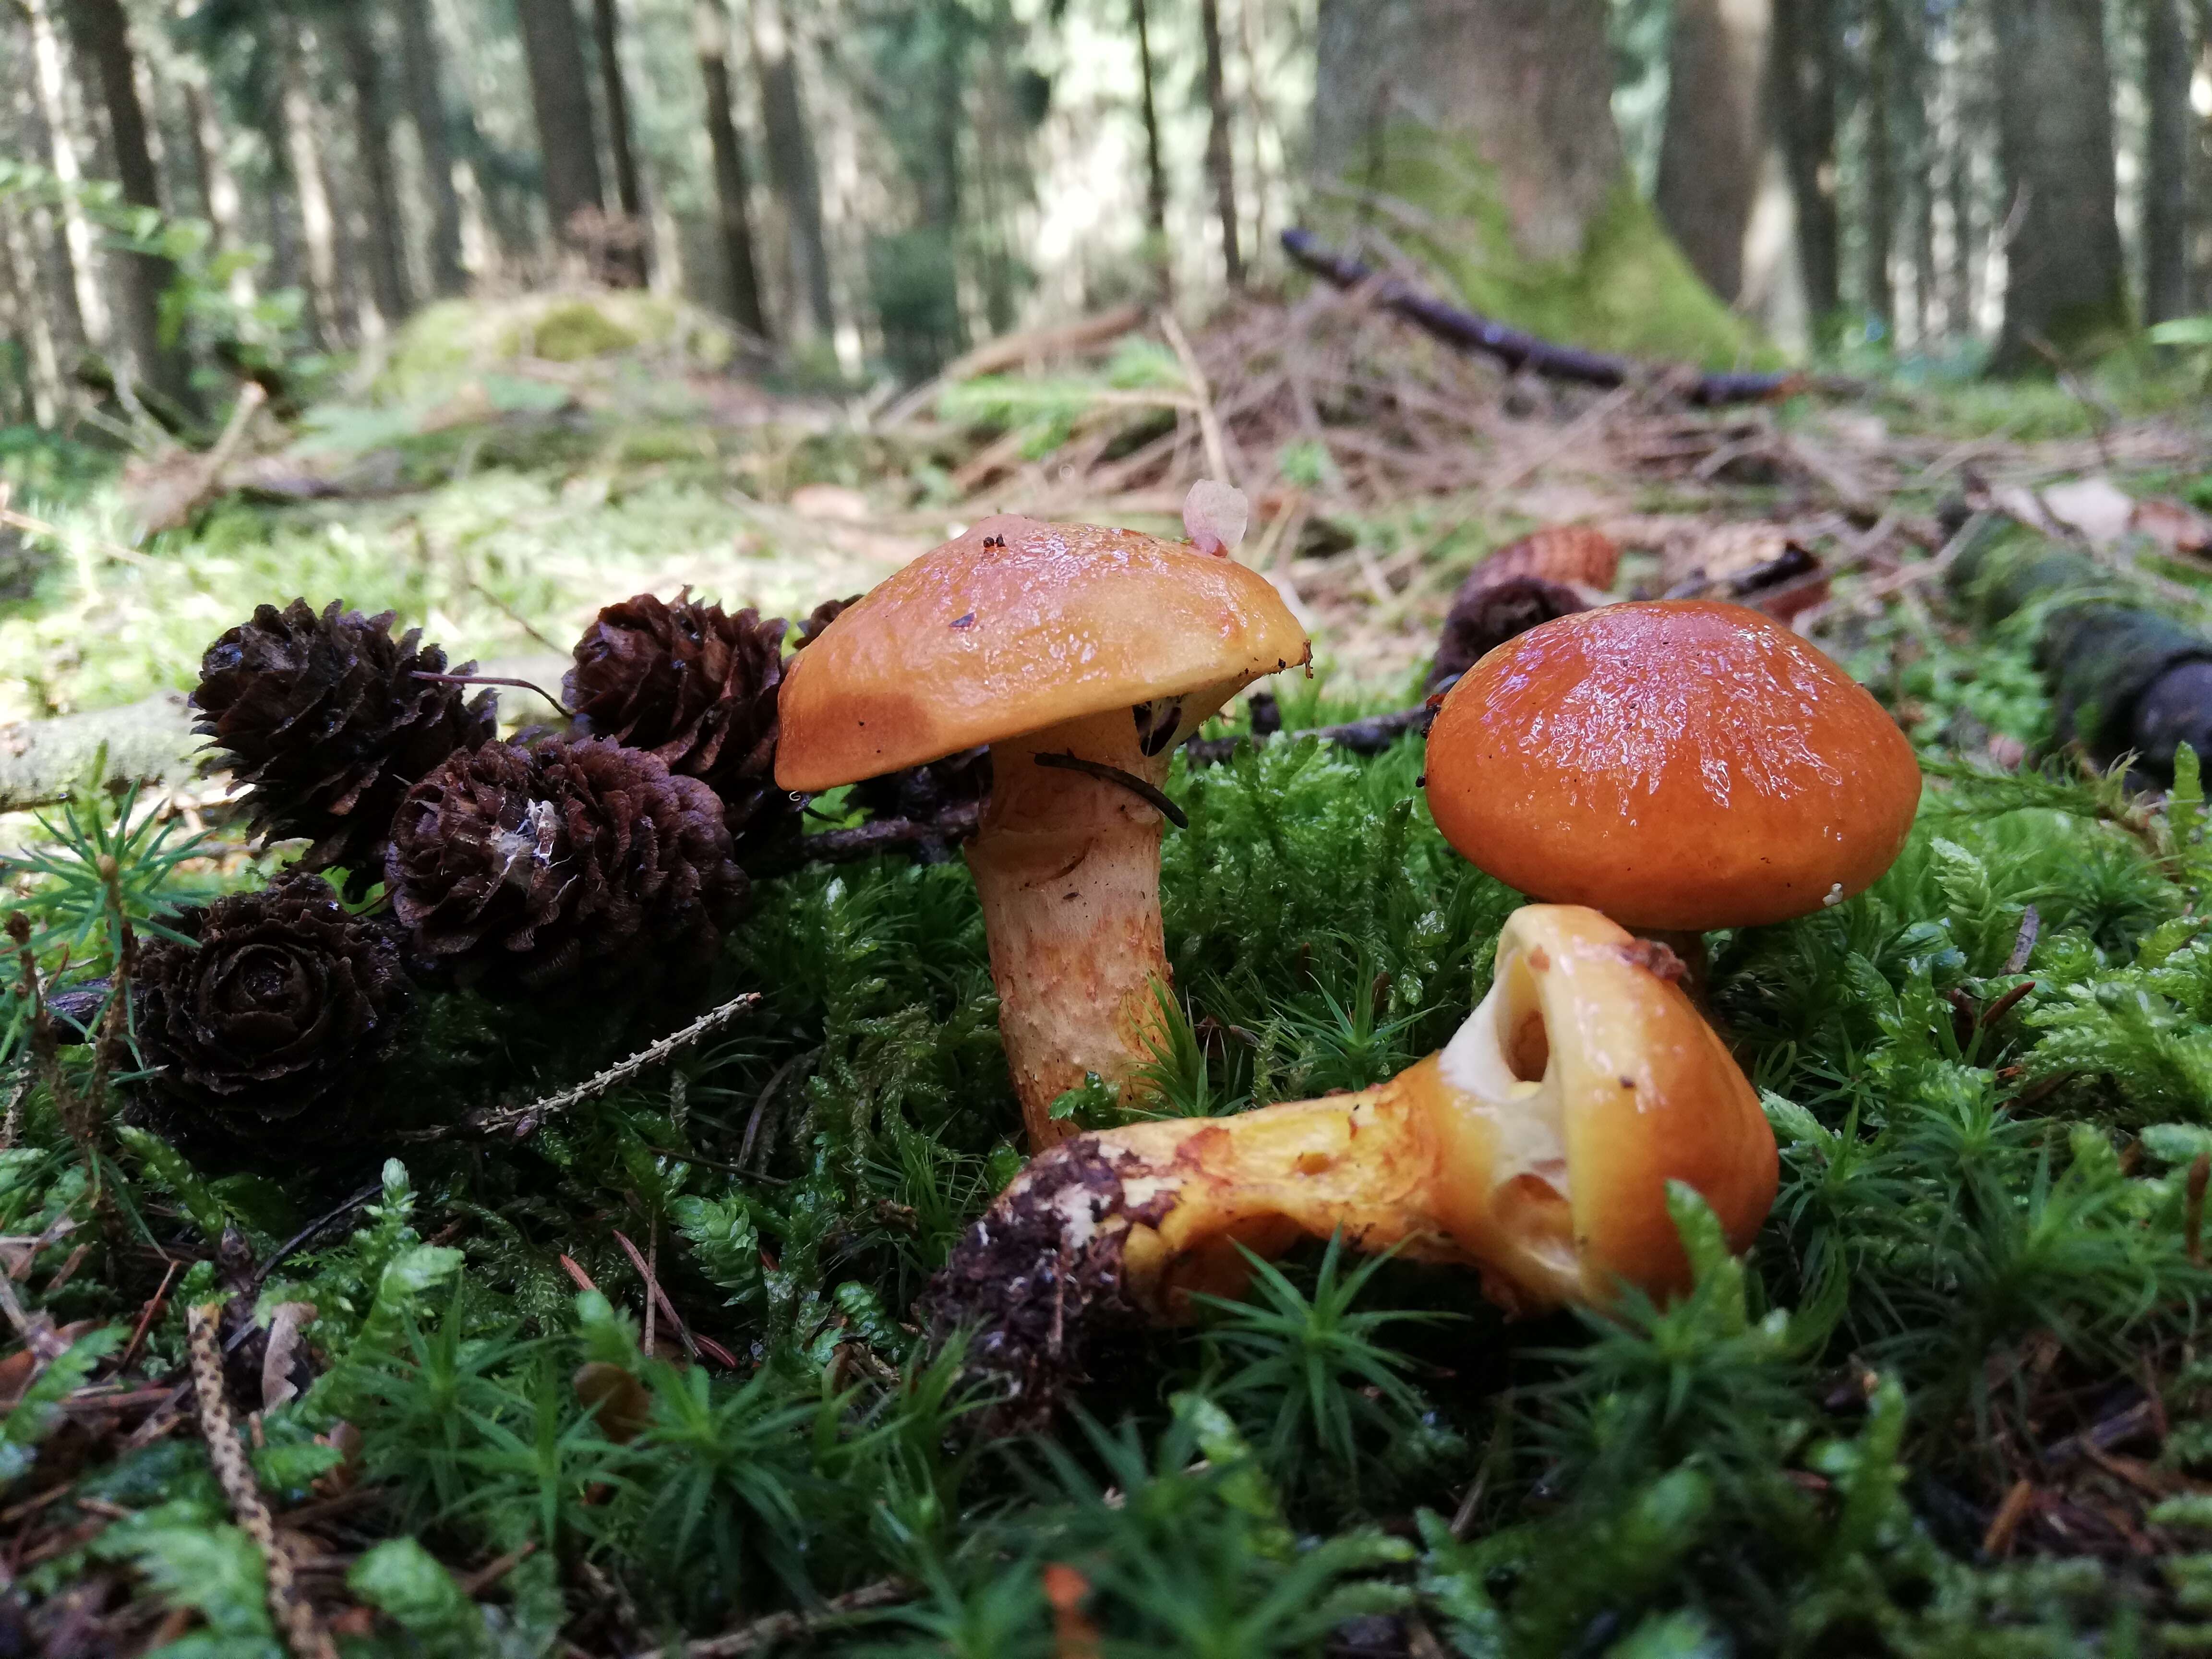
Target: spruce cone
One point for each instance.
(696, 687)
(274, 1017)
(324, 718)
(576, 860)
(920, 792)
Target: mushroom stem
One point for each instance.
(1537, 1146)
(1067, 865)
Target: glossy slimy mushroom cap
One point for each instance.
(1017, 626)
(1677, 765)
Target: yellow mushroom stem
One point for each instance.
(1067, 865)
(1537, 1146)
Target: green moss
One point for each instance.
(1629, 290)
(571, 333)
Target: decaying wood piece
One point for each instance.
(2125, 678)
(1521, 351)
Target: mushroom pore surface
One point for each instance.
(1537, 1146)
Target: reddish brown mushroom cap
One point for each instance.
(1017, 626)
(1681, 765)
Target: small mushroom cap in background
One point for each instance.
(973, 644)
(1682, 765)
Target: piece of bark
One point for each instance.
(2124, 679)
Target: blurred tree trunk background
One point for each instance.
(870, 186)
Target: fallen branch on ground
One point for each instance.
(1518, 350)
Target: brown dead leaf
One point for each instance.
(2173, 525)
(1574, 555)
(287, 1321)
(625, 1407)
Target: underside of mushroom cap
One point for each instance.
(1582, 1085)
(1018, 625)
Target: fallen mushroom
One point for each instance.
(1081, 655)
(1537, 1146)
(1679, 766)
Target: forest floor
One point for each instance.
(1954, 1405)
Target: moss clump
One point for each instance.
(1629, 290)
(572, 333)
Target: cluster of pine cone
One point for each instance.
(610, 855)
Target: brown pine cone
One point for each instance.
(918, 791)
(696, 687)
(324, 718)
(575, 860)
(274, 1017)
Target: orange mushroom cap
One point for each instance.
(1017, 626)
(1683, 764)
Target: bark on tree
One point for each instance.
(1878, 211)
(1492, 120)
(386, 251)
(27, 322)
(60, 230)
(627, 261)
(426, 105)
(710, 26)
(1715, 135)
(101, 32)
(218, 187)
(1220, 163)
(2168, 144)
(2065, 287)
(1804, 90)
(1156, 177)
(793, 172)
(561, 99)
(1528, 81)
(303, 153)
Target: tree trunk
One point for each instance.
(387, 250)
(1220, 163)
(1710, 150)
(31, 324)
(793, 171)
(711, 38)
(560, 98)
(102, 31)
(1878, 210)
(1156, 178)
(627, 259)
(1491, 121)
(218, 186)
(65, 236)
(1804, 90)
(2168, 144)
(426, 104)
(2064, 289)
(303, 153)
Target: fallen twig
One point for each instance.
(1209, 421)
(522, 1121)
(303, 1633)
(1518, 350)
(780, 1627)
